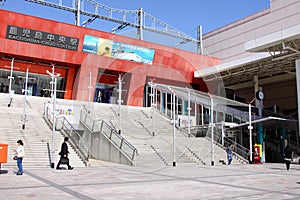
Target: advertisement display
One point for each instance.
(70, 112)
(117, 50)
(184, 122)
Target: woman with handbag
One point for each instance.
(20, 153)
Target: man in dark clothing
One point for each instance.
(64, 155)
(288, 156)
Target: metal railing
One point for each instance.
(238, 150)
(109, 132)
(75, 138)
(67, 129)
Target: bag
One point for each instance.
(15, 157)
(64, 160)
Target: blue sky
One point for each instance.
(182, 15)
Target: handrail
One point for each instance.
(75, 137)
(68, 129)
(111, 133)
(49, 154)
(238, 150)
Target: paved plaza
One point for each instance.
(265, 181)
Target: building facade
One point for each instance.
(90, 62)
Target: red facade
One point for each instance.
(170, 66)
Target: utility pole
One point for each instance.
(199, 38)
(140, 24)
(77, 14)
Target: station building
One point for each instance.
(89, 62)
(259, 54)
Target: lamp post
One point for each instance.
(250, 127)
(53, 77)
(120, 101)
(90, 87)
(189, 112)
(212, 129)
(25, 90)
(10, 80)
(25, 95)
(174, 128)
(153, 105)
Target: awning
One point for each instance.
(270, 122)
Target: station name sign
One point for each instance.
(42, 38)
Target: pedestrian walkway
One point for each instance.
(111, 181)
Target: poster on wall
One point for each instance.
(70, 112)
(117, 50)
(183, 121)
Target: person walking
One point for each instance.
(229, 153)
(20, 153)
(64, 155)
(288, 156)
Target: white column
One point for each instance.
(174, 132)
(297, 63)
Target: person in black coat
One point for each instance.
(64, 155)
(288, 156)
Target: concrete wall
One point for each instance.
(101, 148)
(227, 43)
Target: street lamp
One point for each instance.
(189, 112)
(25, 95)
(120, 101)
(10, 81)
(153, 104)
(250, 127)
(54, 77)
(25, 90)
(174, 128)
(212, 128)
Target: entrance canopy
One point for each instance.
(273, 60)
(270, 122)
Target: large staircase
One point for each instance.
(157, 149)
(36, 136)
(154, 143)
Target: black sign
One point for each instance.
(43, 38)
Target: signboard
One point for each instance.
(42, 38)
(70, 112)
(183, 121)
(117, 50)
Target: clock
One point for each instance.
(259, 95)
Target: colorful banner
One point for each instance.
(117, 50)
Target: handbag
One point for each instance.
(15, 157)
(64, 160)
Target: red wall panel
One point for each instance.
(168, 63)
